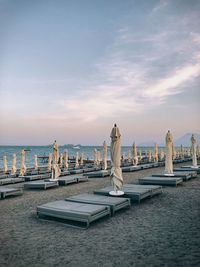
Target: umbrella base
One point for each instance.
(116, 193)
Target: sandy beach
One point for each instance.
(161, 231)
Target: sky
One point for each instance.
(70, 69)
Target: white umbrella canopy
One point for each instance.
(156, 152)
(77, 163)
(104, 156)
(115, 153)
(14, 164)
(135, 156)
(56, 169)
(5, 164)
(35, 162)
(169, 153)
(50, 161)
(194, 151)
(66, 165)
(22, 163)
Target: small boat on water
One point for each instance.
(27, 149)
(76, 147)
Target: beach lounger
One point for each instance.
(37, 177)
(67, 180)
(191, 168)
(192, 172)
(91, 169)
(78, 171)
(11, 180)
(168, 181)
(97, 174)
(115, 203)
(64, 173)
(82, 178)
(131, 168)
(41, 184)
(9, 191)
(73, 213)
(184, 175)
(146, 166)
(134, 192)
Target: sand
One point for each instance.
(161, 231)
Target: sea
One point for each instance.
(31, 151)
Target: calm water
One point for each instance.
(45, 150)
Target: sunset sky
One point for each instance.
(70, 69)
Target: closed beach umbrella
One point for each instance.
(181, 152)
(22, 163)
(66, 159)
(189, 152)
(61, 160)
(14, 164)
(156, 152)
(81, 160)
(150, 156)
(5, 164)
(169, 148)
(194, 151)
(162, 154)
(129, 155)
(98, 157)
(198, 151)
(35, 162)
(173, 152)
(140, 155)
(104, 156)
(135, 157)
(50, 161)
(56, 169)
(77, 157)
(95, 156)
(115, 153)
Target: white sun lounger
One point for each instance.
(115, 203)
(168, 181)
(41, 184)
(9, 191)
(134, 192)
(72, 213)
